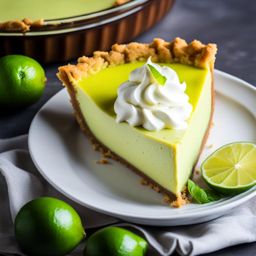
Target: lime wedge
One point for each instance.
(231, 169)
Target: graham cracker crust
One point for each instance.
(21, 25)
(70, 74)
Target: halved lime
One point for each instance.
(231, 169)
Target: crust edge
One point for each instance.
(177, 51)
(21, 25)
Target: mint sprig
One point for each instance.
(202, 196)
(157, 75)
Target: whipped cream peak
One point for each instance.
(154, 98)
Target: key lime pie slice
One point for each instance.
(19, 15)
(149, 105)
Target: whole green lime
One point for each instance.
(115, 241)
(48, 227)
(22, 81)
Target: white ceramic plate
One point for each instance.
(66, 159)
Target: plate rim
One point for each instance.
(229, 202)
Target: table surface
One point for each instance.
(230, 23)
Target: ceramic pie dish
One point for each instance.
(65, 38)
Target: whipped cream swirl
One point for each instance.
(142, 101)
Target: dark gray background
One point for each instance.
(229, 23)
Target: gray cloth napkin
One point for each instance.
(20, 182)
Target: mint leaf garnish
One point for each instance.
(202, 196)
(157, 76)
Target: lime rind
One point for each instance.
(161, 79)
(229, 180)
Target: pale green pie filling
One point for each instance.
(166, 156)
(49, 9)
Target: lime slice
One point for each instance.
(232, 168)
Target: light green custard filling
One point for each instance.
(166, 156)
(48, 9)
